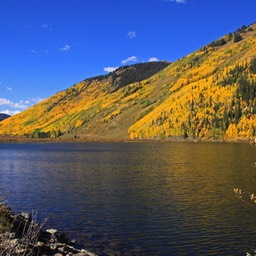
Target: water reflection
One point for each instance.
(139, 198)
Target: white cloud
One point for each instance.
(18, 105)
(32, 51)
(5, 102)
(10, 112)
(65, 48)
(25, 102)
(131, 34)
(110, 69)
(152, 59)
(130, 59)
(9, 89)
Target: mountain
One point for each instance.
(3, 116)
(209, 94)
(90, 103)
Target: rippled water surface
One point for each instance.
(137, 198)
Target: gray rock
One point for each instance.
(40, 244)
(73, 241)
(26, 215)
(52, 231)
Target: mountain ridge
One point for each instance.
(208, 94)
(3, 116)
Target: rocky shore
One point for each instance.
(22, 235)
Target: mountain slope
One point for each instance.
(210, 93)
(93, 100)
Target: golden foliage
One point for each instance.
(210, 93)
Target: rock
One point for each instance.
(54, 247)
(62, 238)
(48, 242)
(52, 231)
(20, 251)
(40, 244)
(26, 215)
(72, 242)
(87, 253)
(61, 249)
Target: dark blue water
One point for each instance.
(137, 198)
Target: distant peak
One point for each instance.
(3, 116)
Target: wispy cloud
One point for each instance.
(25, 102)
(176, 1)
(9, 89)
(10, 112)
(152, 59)
(65, 48)
(131, 34)
(110, 69)
(32, 51)
(46, 27)
(29, 26)
(34, 100)
(18, 105)
(173, 1)
(130, 59)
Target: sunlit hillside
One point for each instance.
(208, 94)
(87, 108)
(211, 93)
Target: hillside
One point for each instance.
(88, 105)
(208, 94)
(3, 116)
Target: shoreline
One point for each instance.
(23, 139)
(21, 235)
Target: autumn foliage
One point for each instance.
(209, 94)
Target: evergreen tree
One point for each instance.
(237, 37)
(230, 36)
(237, 111)
(253, 66)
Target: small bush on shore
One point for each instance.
(5, 222)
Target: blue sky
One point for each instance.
(48, 45)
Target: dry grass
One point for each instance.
(18, 236)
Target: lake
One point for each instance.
(137, 198)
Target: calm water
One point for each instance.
(137, 198)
